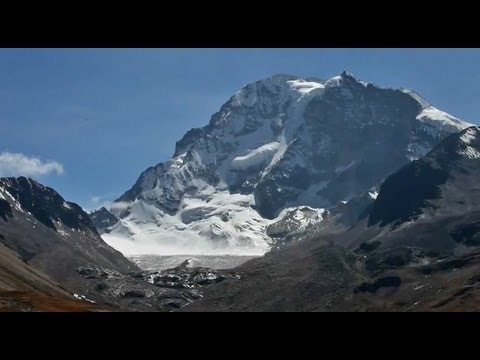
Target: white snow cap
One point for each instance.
(421, 100)
(288, 87)
(441, 120)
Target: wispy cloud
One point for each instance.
(17, 164)
(98, 201)
(95, 199)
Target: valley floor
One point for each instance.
(159, 262)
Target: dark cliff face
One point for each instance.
(145, 181)
(102, 219)
(403, 195)
(449, 172)
(5, 210)
(46, 205)
(358, 136)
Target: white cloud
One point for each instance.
(96, 202)
(118, 207)
(100, 201)
(17, 164)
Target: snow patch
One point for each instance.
(420, 99)
(62, 232)
(301, 217)
(83, 297)
(177, 162)
(373, 194)
(303, 87)
(16, 204)
(335, 81)
(282, 147)
(255, 157)
(470, 152)
(469, 136)
(441, 120)
(416, 150)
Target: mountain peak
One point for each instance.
(279, 143)
(286, 86)
(346, 78)
(271, 81)
(47, 205)
(346, 74)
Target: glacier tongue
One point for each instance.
(212, 222)
(276, 145)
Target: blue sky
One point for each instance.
(93, 119)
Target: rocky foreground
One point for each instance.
(164, 290)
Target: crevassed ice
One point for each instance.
(217, 223)
(214, 223)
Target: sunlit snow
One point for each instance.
(441, 120)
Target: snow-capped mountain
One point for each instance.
(275, 145)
